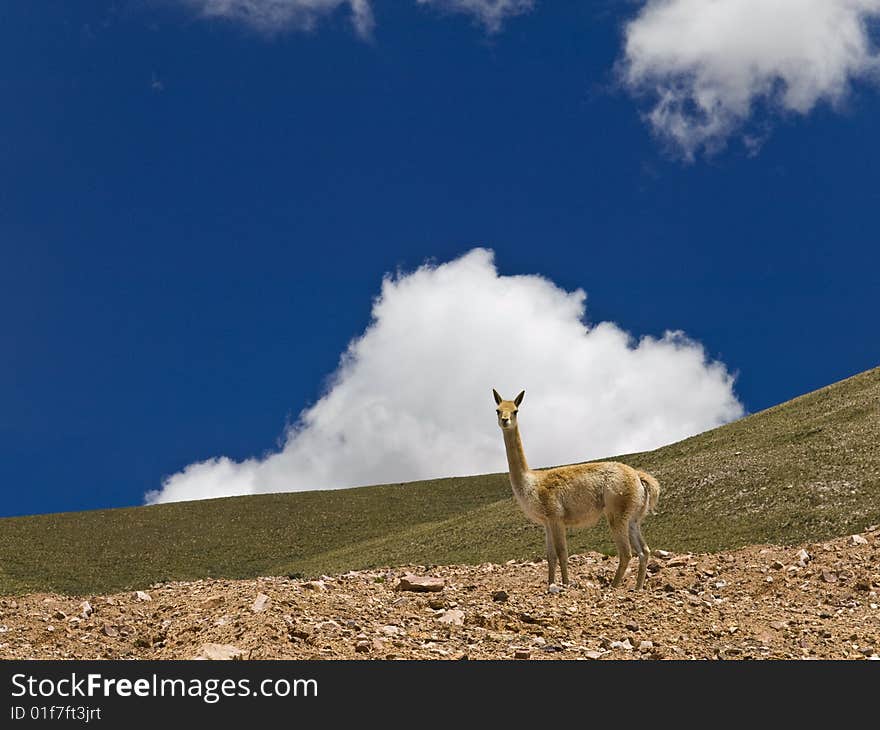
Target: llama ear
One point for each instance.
(498, 398)
(519, 398)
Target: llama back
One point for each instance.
(653, 489)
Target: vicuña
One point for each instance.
(577, 496)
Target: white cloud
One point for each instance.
(270, 16)
(411, 398)
(491, 13)
(707, 64)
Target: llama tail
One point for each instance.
(652, 490)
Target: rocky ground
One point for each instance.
(815, 601)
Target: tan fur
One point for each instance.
(577, 496)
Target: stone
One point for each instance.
(593, 654)
(315, 585)
(110, 630)
(522, 654)
(219, 652)
(141, 596)
(500, 596)
(420, 583)
(260, 603)
(625, 645)
(631, 626)
(661, 553)
(777, 565)
(778, 625)
(646, 646)
(60, 615)
(391, 630)
(829, 576)
(363, 646)
(553, 588)
(858, 540)
(86, 609)
(212, 602)
(452, 617)
(803, 557)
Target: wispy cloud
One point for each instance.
(490, 13)
(707, 65)
(274, 16)
(411, 398)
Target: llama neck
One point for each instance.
(516, 457)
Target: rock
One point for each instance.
(625, 645)
(212, 602)
(646, 646)
(553, 588)
(829, 576)
(260, 603)
(420, 583)
(777, 565)
(593, 654)
(453, 617)
(110, 630)
(778, 625)
(86, 609)
(60, 615)
(363, 646)
(803, 557)
(141, 596)
(438, 604)
(219, 652)
(858, 540)
(522, 654)
(315, 585)
(631, 626)
(500, 596)
(661, 553)
(391, 630)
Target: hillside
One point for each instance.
(815, 601)
(808, 469)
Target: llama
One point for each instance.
(577, 496)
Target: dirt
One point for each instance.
(763, 602)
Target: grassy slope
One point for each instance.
(804, 470)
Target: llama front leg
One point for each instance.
(551, 555)
(560, 547)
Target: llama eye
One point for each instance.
(498, 412)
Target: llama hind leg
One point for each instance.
(642, 550)
(551, 556)
(624, 551)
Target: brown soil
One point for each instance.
(754, 603)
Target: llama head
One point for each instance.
(507, 409)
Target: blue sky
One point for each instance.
(196, 217)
